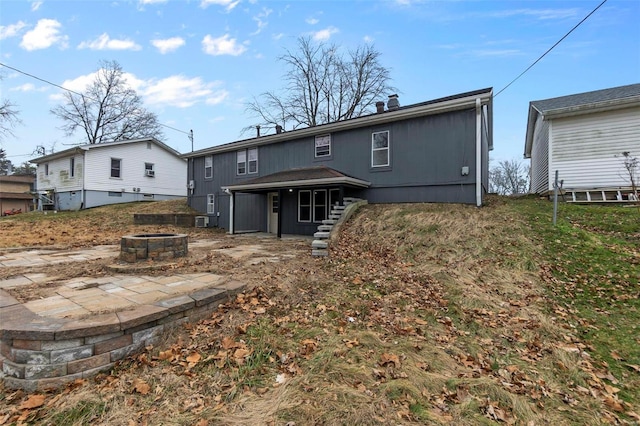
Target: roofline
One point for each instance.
(87, 147)
(297, 183)
(589, 108)
(436, 106)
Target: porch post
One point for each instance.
(280, 209)
(232, 211)
(341, 194)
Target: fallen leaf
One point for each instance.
(141, 386)
(34, 401)
(615, 355)
(194, 358)
(386, 359)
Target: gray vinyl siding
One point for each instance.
(427, 155)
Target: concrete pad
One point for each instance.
(147, 298)
(15, 282)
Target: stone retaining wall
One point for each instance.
(38, 353)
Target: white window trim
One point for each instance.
(210, 175)
(211, 203)
(387, 148)
(325, 140)
(310, 205)
(249, 160)
(119, 168)
(238, 162)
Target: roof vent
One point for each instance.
(278, 129)
(392, 103)
(379, 107)
(257, 131)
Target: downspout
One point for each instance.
(84, 201)
(232, 197)
(478, 152)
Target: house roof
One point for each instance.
(87, 147)
(578, 104)
(18, 178)
(436, 106)
(15, 196)
(309, 176)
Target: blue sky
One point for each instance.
(196, 62)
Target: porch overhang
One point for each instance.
(298, 178)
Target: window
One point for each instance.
(253, 160)
(208, 167)
(115, 194)
(380, 149)
(304, 206)
(334, 198)
(323, 146)
(319, 205)
(46, 169)
(148, 170)
(116, 165)
(211, 204)
(241, 158)
(148, 145)
(72, 167)
(241, 161)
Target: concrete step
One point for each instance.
(334, 216)
(319, 244)
(321, 235)
(338, 207)
(319, 253)
(325, 228)
(351, 200)
(329, 222)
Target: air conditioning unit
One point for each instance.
(150, 173)
(202, 221)
(191, 184)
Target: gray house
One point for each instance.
(434, 151)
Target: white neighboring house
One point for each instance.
(583, 136)
(109, 173)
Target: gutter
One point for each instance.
(298, 183)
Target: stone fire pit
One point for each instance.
(140, 247)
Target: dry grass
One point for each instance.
(424, 314)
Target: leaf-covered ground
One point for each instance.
(423, 314)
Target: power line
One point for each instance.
(551, 48)
(75, 93)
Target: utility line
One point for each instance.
(551, 48)
(75, 93)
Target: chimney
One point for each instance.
(257, 131)
(278, 129)
(392, 103)
(379, 107)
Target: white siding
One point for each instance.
(59, 174)
(586, 149)
(170, 171)
(540, 156)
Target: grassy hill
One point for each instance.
(423, 314)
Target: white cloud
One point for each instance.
(104, 42)
(260, 19)
(542, 14)
(35, 5)
(81, 83)
(312, 21)
(324, 35)
(143, 2)
(181, 92)
(278, 36)
(168, 45)
(12, 30)
(223, 45)
(27, 87)
(496, 52)
(228, 4)
(44, 35)
(368, 39)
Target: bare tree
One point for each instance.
(323, 85)
(8, 117)
(5, 163)
(108, 110)
(632, 166)
(509, 177)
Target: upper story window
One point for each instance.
(253, 160)
(380, 149)
(72, 166)
(323, 146)
(243, 157)
(46, 169)
(116, 168)
(208, 167)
